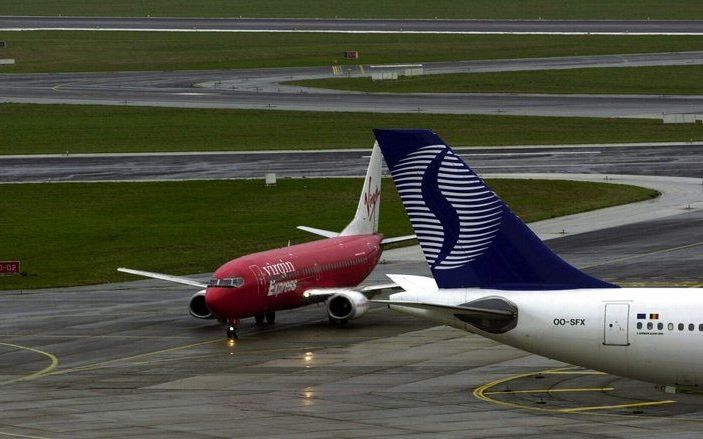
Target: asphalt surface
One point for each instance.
(125, 360)
(683, 160)
(632, 27)
(636, 106)
(262, 89)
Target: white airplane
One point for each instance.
(494, 277)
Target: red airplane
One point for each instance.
(259, 284)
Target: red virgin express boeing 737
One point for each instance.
(327, 270)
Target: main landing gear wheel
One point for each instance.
(232, 332)
(259, 318)
(270, 318)
(336, 322)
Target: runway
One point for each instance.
(635, 106)
(125, 360)
(521, 27)
(683, 160)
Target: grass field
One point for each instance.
(71, 234)
(114, 51)
(57, 129)
(643, 80)
(641, 9)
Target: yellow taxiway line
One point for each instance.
(483, 393)
(45, 371)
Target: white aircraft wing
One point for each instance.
(453, 309)
(166, 277)
(368, 291)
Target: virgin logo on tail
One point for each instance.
(371, 199)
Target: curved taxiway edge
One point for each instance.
(678, 195)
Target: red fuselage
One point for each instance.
(277, 279)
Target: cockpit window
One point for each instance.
(230, 282)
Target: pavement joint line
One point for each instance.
(5, 433)
(655, 252)
(54, 363)
(235, 352)
(585, 389)
(145, 337)
(617, 406)
(106, 363)
(575, 372)
(678, 284)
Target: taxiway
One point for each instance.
(262, 89)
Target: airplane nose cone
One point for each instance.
(216, 301)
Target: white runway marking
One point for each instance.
(331, 31)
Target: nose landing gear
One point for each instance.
(233, 330)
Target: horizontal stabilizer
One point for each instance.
(373, 290)
(414, 284)
(166, 277)
(314, 231)
(397, 239)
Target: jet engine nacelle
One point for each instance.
(197, 306)
(346, 305)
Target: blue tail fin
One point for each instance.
(469, 236)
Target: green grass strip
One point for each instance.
(75, 234)
(620, 80)
(573, 9)
(114, 51)
(32, 129)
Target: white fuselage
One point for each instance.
(650, 334)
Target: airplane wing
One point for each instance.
(368, 291)
(166, 277)
(488, 313)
